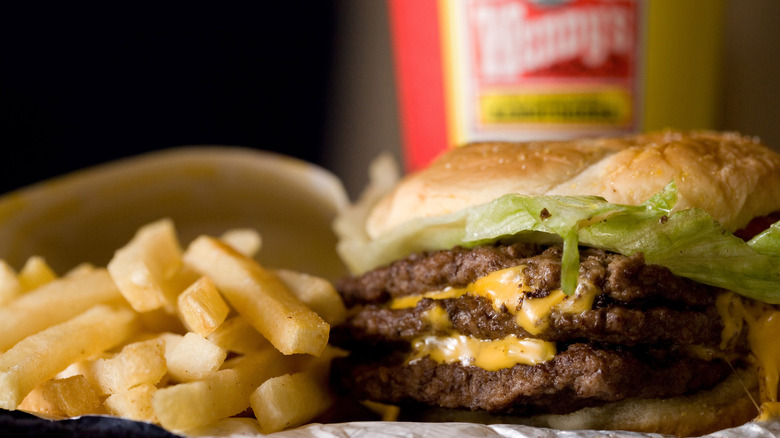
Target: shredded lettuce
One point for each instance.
(690, 243)
(563, 216)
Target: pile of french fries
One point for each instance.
(183, 338)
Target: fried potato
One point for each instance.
(260, 297)
(53, 303)
(386, 412)
(201, 307)
(297, 397)
(222, 394)
(317, 293)
(146, 267)
(183, 339)
(136, 364)
(161, 320)
(35, 273)
(238, 336)
(247, 241)
(68, 397)
(79, 270)
(194, 358)
(134, 403)
(290, 400)
(170, 341)
(41, 356)
(10, 287)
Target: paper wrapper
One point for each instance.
(18, 424)
(85, 216)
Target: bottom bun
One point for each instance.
(729, 404)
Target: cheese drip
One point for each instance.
(490, 355)
(763, 323)
(507, 289)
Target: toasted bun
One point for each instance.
(733, 177)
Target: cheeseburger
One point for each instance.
(614, 283)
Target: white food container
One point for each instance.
(85, 216)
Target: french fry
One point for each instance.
(81, 269)
(9, 283)
(240, 425)
(145, 268)
(53, 303)
(238, 336)
(82, 367)
(35, 273)
(68, 397)
(247, 241)
(222, 394)
(170, 341)
(201, 307)
(71, 345)
(317, 293)
(138, 363)
(290, 400)
(134, 403)
(260, 297)
(386, 412)
(41, 356)
(194, 358)
(161, 320)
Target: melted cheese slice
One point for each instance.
(412, 300)
(438, 318)
(507, 289)
(491, 355)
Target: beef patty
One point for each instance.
(642, 336)
(622, 279)
(580, 376)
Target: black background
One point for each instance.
(82, 84)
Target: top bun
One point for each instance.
(734, 178)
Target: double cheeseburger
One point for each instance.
(615, 283)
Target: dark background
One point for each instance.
(82, 84)
(86, 82)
